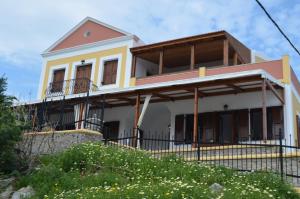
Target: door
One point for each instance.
(208, 127)
(111, 130)
(256, 124)
(82, 81)
(226, 127)
(242, 124)
(110, 72)
(58, 81)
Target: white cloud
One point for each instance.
(29, 27)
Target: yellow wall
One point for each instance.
(95, 55)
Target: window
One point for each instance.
(58, 81)
(110, 72)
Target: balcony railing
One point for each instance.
(69, 87)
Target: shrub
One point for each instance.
(93, 170)
(10, 132)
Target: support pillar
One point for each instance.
(195, 129)
(136, 119)
(161, 62)
(192, 57)
(225, 52)
(264, 110)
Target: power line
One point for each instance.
(277, 26)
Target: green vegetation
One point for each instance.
(10, 131)
(97, 171)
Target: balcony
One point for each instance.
(70, 87)
(183, 58)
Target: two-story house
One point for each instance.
(209, 87)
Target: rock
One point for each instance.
(216, 188)
(23, 193)
(6, 194)
(5, 182)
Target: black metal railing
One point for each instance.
(276, 156)
(72, 86)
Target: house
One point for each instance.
(207, 87)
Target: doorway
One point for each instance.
(226, 127)
(83, 76)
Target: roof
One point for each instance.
(89, 30)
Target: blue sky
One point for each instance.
(31, 28)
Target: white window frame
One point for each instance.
(117, 57)
(79, 63)
(51, 74)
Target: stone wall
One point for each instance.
(40, 143)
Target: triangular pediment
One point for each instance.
(87, 31)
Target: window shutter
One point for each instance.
(110, 72)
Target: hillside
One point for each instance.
(97, 171)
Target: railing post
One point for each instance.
(198, 147)
(62, 104)
(281, 153)
(86, 108)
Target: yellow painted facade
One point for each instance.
(286, 70)
(132, 81)
(95, 55)
(202, 71)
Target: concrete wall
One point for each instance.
(40, 143)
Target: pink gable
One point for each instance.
(88, 32)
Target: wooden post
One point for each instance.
(195, 129)
(133, 67)
(225, 52)
(136, 119)
(161, 62)
(264, 110)
(235, 58)
(192, 56)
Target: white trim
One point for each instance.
(80, 24)
(53, 69)
(89, 45)
(42, 79)
(101, 71)
(288, 112)
(79, 63)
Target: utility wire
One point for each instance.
(277, 26)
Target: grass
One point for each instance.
(96, 171)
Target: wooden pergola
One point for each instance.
(193, 49)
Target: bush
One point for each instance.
(10, 132)
(96, 171)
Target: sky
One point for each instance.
(28, 27)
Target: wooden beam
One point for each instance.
(136, 119)
(161, 62)
(200, 93)
(279, 97)
(236, 88)
(195, 129)
(192, 57)
(264, 110)
(163, 96)
(225, 52)
(221, 93)
(235, 58)
(133, 66)
(127, 99)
